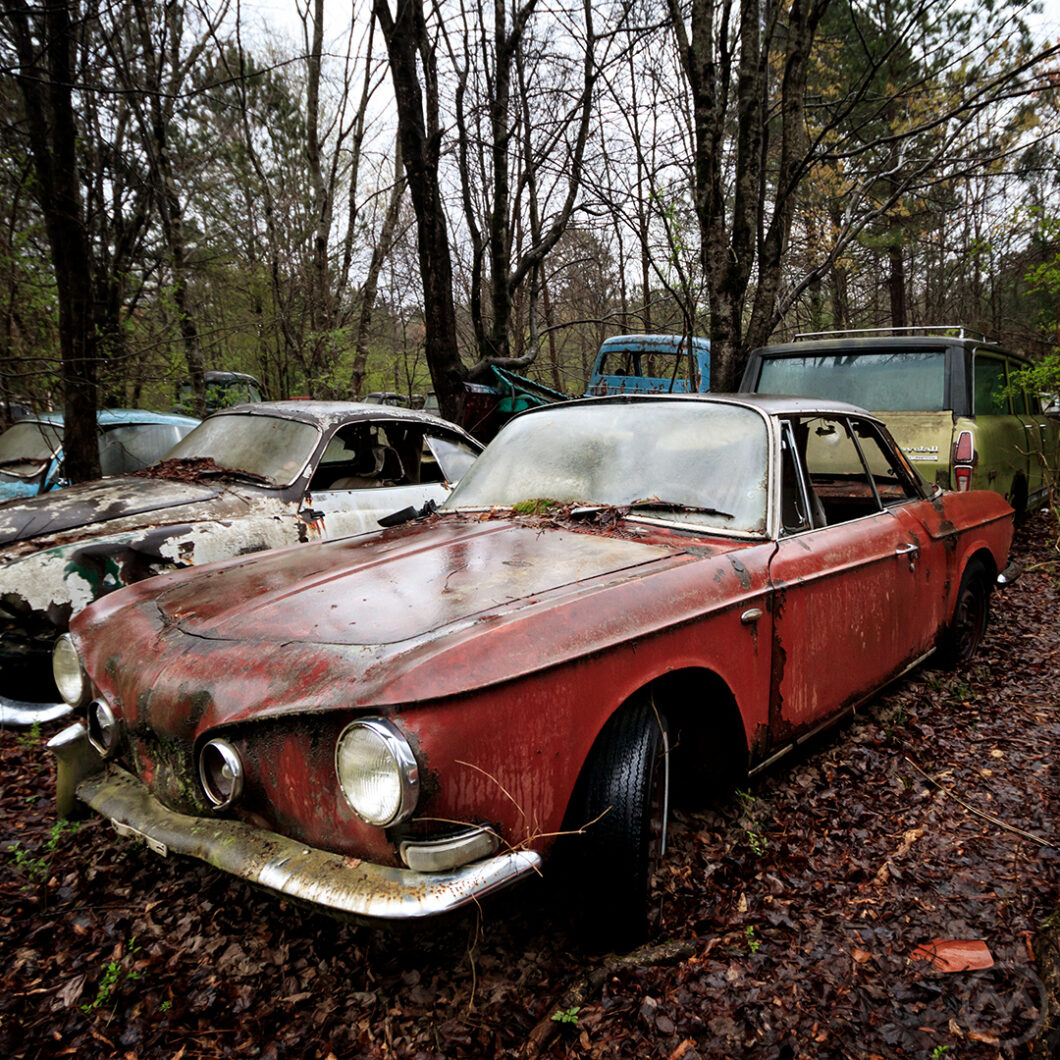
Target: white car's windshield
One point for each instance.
(28, 445)
(688, 462)
(267, 448)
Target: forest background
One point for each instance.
(405, 192)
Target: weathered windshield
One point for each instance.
(268, 447)
(27, 445)
(895, 381)
(676, 461)
(132, 446)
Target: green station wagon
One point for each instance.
(943, 394)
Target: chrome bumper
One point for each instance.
(1009, 575)
(290, 869)
(15, 713)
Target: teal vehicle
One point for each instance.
(656, 364)
(31, 451)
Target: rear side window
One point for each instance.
(891, 381)
(990, 386)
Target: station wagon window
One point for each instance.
(895, 380)
(1020, 405)
(990, 386)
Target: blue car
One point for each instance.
(31, 451)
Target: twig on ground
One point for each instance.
(980, 813)
(577, 995)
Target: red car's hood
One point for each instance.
(388, 590)
(416, 614)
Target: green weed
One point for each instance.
(566, 1015)
(114, 974)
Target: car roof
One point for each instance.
(841, 343)
(112, 417)
(767, 404)
(652, 341)
(329, 413)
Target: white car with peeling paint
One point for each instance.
(247, 479)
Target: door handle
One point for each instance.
(905, 550)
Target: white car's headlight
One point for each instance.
(70, 676)
(377, 771)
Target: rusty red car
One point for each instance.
(624, 600)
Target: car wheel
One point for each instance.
(961, 639)
(623, 809)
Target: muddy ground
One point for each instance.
(795, 914)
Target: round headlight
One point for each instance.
(70, 677)
(377, 771)
(102, 728)
(221, 773)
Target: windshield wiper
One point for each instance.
(656, 505)
(232, 472)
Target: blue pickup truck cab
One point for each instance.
(668, 364)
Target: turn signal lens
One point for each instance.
(69, 674)
(963, 477)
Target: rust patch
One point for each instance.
(742, 573)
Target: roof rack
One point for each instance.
(949, 331)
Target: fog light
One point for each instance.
(221, 773)
(377, 771)
(102, 728)
(69, 674)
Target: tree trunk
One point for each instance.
(420, 135)
(45, 76)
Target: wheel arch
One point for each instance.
(709, 751)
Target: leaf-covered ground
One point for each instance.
(793, 911)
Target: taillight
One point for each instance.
(964, 451)
(964, 457)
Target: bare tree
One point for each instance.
(412, 48)
(45, 39)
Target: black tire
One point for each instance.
(622, 806)
(963, 635)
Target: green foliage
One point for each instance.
(752, 942)
(566, 1015)
(31, 738)
(114, 974)
(537, 506)
(36, 865)
(752, 827)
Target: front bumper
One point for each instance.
(16, 713)
(290, 869)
